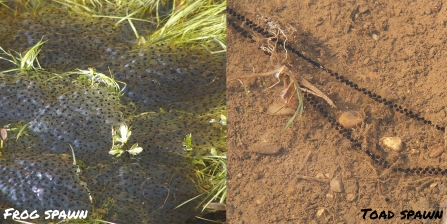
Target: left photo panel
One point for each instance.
(112, 111)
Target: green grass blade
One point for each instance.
(202, 22)
(299, 109)
(27, 61)
(219, 190)
(189, 200)
(21, 131)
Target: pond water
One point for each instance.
(169, 92)
(387, 74)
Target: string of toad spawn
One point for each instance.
(250, 30)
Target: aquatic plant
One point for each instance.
(23, 62)
(201, 22)
(210, 170)
(119, 142)
(93, 78)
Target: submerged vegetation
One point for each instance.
(210, 170)
(201, 22)
(23, 63)
(121, 140)
(195, 23)
(93, 78)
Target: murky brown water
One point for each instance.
(392, 49)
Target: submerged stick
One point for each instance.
(276, 72)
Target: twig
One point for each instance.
(304, 161)
(277, 71)
(445, 139)
(313, 178)
(417, 181)
(390, 168)
(424, 185)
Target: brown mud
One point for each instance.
(393, 49)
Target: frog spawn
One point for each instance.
(51, 181)
(60, 113)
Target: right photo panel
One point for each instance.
(336, 111)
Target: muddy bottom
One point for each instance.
(311, 173)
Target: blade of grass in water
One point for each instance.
(25, 62)
(21, 131)
(299, 109)
(202, 21)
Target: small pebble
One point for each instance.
(265, 148)
(336, 185)
(3, 133)
(320, 212)
(365, 62)
(435, 151)
(260, 200)
(350, 197)
(432, 52)
(375, 37)
(279, 109)
(217, 206)
(433, 185)
(320, 176)
(394, 143)
(350, 119)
